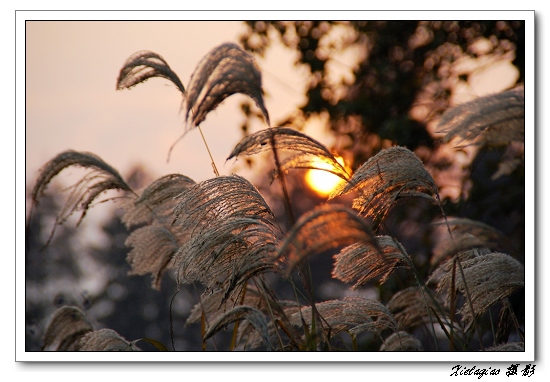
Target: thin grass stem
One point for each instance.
(209, 153)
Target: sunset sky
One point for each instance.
(71, 101)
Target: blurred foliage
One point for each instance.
(402, 63)
(403, 75)
(403, 78)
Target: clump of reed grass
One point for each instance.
(70, 330)
(222, 234)
(391, 174)
(487, 278)
(495, 119)
(363, 262)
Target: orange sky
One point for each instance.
(71, 101)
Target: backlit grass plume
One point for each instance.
(412, 307)
(70, 330)
(253, 316)
(143, 65)
(401, 341)
(255, 295)
(100, 178)
(467, 234)
(304, 148)
(67, 325)
(232, 231)
(495, 119)
(156, 202)
(224, 71)
(361, 262)
(324, 228)
(352, 314)
(392, 174)
(489, 279)
(105, 340)
(155, 243)
(512, 346)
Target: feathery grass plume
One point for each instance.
(67, 326)
(287, 139)
(401, 341)
(156, 243)
(467, 234)
(513, 346)
(391, 174)
(354, 314)
(233, 234)
(156, 202)
(214, 306)
(154, 246)
(70, 330)
(496, 119)
(321, 229)
(227, 255)
(218, 199)
(362, 262)
(409, 309)
(100, 178)
(105, 340)
(224, 71)
(254, 316)
(143, 65)
(489, 278)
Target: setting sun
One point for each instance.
(323, 182)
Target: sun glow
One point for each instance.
(323, 182)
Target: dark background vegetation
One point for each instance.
(406, 62)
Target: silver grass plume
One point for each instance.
(67, 325)
(496, 119)
(213, 304)
(70, 330)
(153, 247)
(286, 139)
(391, 174)
(156, 202)
(220, 198)
(101, 177)
(143, 65)
(105, 340)
(513, 346)
(401, 341)
(214, 307)
(411, 308)
(224, 71)
(354, 314)
(467, 235)
(155, 243)
(254, 316)
(232, 231)
(323, 228)
(363, 262)
(226, 255)
(489, 278)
